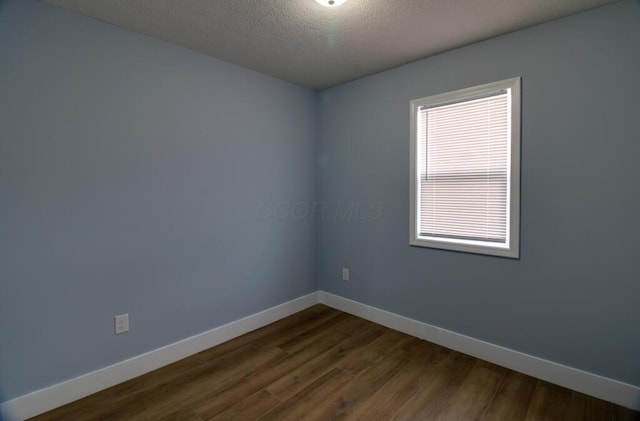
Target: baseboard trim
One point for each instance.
(620, 393)
(52, 397)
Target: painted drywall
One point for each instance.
(137, 177)
(572, 297)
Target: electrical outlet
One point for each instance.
(345, 274)
(122, 323)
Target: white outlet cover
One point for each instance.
(121, 323)
(345, 274)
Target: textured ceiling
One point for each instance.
(314, 46)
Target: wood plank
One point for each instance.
(213, 404)
(390, 340)
(475, 393)
(339, 328)
(284, 328)
(200, 387)
(301, 404)
(91, 406)
(298, 379)
(362, 388)
(320, 323)
(513, 398)
(183, 414)
(624, 414)
(388, 399)
(586, 408)
(442, 380)
(248, 408)
(549, 403)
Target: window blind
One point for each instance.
(463, 162)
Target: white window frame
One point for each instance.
(511, 248)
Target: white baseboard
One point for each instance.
(620, 393)
(51, 397)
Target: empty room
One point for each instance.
(319, 209)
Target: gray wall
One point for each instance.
(130, 175)
(573, 296)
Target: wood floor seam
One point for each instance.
(493, 397)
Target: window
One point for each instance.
(465, 170)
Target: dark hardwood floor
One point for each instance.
(323, 364)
